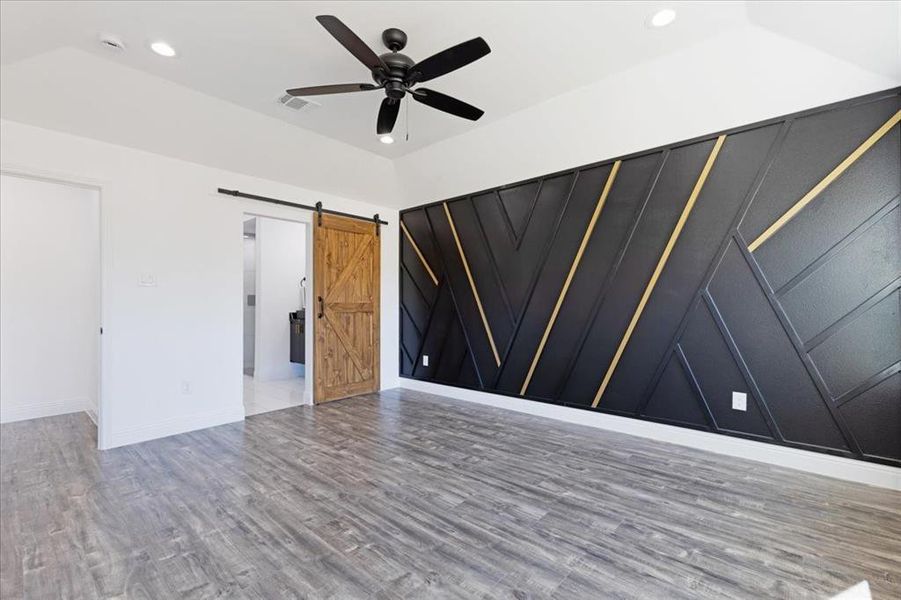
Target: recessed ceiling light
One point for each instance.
(662, 18)
(386, 139)
(163, 49)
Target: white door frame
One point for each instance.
(104, 345)
(305, 218)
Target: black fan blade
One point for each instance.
(349, 40)
(339, 88)
(387, 116)
(448, 104)
(449, 60)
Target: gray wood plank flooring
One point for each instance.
(406, 495)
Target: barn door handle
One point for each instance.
(321, 308)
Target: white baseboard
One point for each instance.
(173, 426)
(24, 412)
(782, 456)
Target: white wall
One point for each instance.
(161, 218)
(739, 77)
(49, 298)
(281, 257)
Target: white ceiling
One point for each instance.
(867, 34)
(216, 103)
(248, 52)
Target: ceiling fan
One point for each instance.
(397, 74)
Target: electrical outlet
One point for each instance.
(186, 387)
(739, 401)
(425, 360)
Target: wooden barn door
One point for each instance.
(346, 296)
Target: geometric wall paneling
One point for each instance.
(772, 265)
(583, 199)
(672, 188)
(418, 240)
(416, 302)
(864, 349)
(634, 377)
(834, 134)
(722, 370)
(611, 177)
(839, 210)
(432, 336)
(785, 384)
(490, 250)
(591, 281)
(715, 212)
(516, 247)
(521, 261)
(766, 261)
(454, 359)
(414, 247)
(468, 308)
(496, 316)
(875, 418)
(674, 400)
(517, 204)
(467, 376)
(718, 374)
(411, 336)
(418, 290)
(406, 362)
(415, 335)
(816, 302)
(444, 343)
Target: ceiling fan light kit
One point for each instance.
(398, 74)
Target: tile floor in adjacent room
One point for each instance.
(266, 396)
(408, 495)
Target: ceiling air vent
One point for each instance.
(111, 42)
(296, 103)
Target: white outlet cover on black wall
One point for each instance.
(739, 401)
(425, 360)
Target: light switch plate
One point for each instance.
(425, 360)
(739, 401)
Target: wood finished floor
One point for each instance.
(405, 495)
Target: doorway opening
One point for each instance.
(50, 298)
(275, 298)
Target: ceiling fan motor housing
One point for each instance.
(398, 64)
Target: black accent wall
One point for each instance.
(805, 322)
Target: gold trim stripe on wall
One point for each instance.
(419, 254)
(472, 284)
(702, 178)
(572, 271)
(822, 185)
